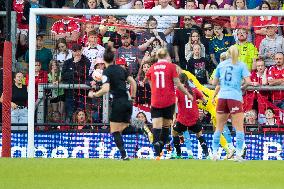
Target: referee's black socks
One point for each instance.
(119, 143)
(203, 145)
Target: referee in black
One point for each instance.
(114, 81)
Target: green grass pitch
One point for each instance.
(145, 174)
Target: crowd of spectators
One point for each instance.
(195, 44)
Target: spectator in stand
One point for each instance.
(130, 53)
(66, 28)
(238, 22)
(22, 25)
(222, 4)
(43, 54)
(196, 20)
(143, 96)
(57, 95)
(40, 77)
(61, 52)
(146, 129)
(179, 39)
(207, 28)
(198, 65)
(75, 71)
(275, 4)
(253, 4)
(19, 110)
(138, 21)
(107, 28)
(152, 35)
(123, 4)
(219, 43)
(270, 45)
(97, 103)
(93, 50)
(80, 117)
(259, 76)
(247, 51)
(166, 24)
(86, 28)
(259, 23)
(92, 4)
(276, 78)
(115, 40)
(193, 39)
(55, 118)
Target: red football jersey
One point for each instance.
(276, 73)
(64, 26)
(255, 77)
(188, 113)
(161, 76)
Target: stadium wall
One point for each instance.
(101, 145)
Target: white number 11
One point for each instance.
(160, 75)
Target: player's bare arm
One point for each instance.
(105, 89)
(247, 82)
(133, 87)
(180, 86)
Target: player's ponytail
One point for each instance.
(184, 80)
(108, 55)
(162, 53)
(234, 53)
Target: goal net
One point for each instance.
(58, 93)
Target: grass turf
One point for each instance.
(144, 174)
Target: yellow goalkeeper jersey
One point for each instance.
(247, 53)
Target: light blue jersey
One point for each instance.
(230, 78)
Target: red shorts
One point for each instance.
(226, 106)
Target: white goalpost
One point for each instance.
(118, 12)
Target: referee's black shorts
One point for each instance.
(121, 110)
(180, 128)
(166, 113)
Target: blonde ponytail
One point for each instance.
(162, 53)
(234, 53)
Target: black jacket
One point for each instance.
(76, 73)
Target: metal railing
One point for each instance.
(40, 105)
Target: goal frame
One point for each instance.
(119, 12)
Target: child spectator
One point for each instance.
(198, 65)
(57, 95)
(93, 50)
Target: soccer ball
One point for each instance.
(97, 74)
